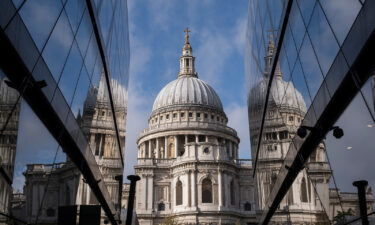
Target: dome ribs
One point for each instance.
(187, 90)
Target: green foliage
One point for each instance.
(341, 216)
(169, 221)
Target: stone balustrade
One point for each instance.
(170, 161)
(318, 167)
(187, 124)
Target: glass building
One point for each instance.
(311, 107)
(64, 71)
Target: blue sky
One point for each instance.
(156, 39)
(218, 41)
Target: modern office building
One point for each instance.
(313, 91)
(64, 69)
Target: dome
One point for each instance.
(187, 90)
(283, 94)
(99, 94)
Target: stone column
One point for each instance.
(220, 189)
(231, 153)
(239, 193)
(186, 139)
(144, 195)
(236, 147)
(149, 149)
(150, 192)
(189, 188)
(225, 202)
(165, 146)
(176, 146)
(196, 139)
(194, 189)
(157, 148)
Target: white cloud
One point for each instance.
(161, 13)
(212, 55)
(139, 102)
(216, 49)
(140, 56)
(237, 115)
(138, 112)
(240, 34)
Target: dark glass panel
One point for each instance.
(323, 40)
(70, 74)
(74, 10)
(341, 15)
(84, 33)
(306, 7)
(58, 46)
(40, 18)
(310, 67)
(80, 93)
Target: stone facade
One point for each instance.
(309, 199)
(188, 157)
(62, 184)
(9, 119)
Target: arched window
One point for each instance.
(206, 191)
(161, 206)
(232, 191)
(247, 206)
(304, 197)
(179, 193)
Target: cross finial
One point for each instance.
(187, 35)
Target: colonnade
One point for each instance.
(172, 146)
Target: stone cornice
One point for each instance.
(188, 107)
(215, 128)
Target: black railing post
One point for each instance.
(119, 178)
(361, 185)
(129, 214)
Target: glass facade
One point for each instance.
(307, 67)
(63, 102)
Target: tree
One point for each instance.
(169, 221)
(341, 216)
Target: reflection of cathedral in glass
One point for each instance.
(309, 196)
(9, 116)
(98, 126)
(286, 109)
(64, 183)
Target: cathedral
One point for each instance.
(9, 105)
(50, 186)
(189, 166)
(188, 159)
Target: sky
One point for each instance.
(156, 39)
(218, 39)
